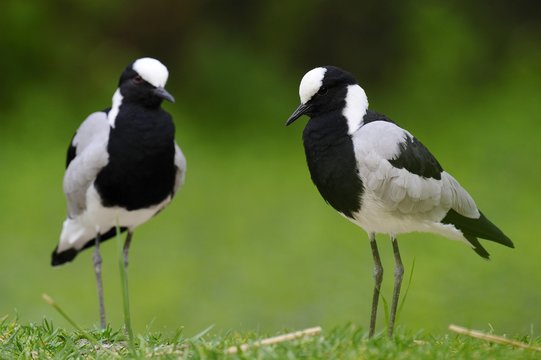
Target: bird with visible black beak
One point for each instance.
(123, 167)
(380, 177)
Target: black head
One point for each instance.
(143, 82)
(322, 90)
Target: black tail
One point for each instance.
(59, 258)
(477, 228)
(62, 257)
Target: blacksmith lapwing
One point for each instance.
(123, 167)
(379, 176)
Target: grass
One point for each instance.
(125, 290)
(44, 341)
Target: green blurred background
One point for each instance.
(248, 244)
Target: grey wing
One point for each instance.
(180, 165)
(405, 177)
(406, 193)
(87, 155)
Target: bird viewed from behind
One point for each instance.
(379, 176)
(123, 167)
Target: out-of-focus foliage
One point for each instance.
(248, 243)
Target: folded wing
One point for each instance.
(87, 155)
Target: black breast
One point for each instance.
(141, 171)
(331, 160)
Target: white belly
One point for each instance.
(375, 217)
(96, 219)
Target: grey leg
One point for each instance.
(127, 243)
(97, 270)
(398, 274)
(378, 278)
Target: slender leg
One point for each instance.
(127, 243)
(398, 273)
(97, 270)
(378, 278)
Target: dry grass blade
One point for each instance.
(492, 338)
(49, 300)
(276, 339)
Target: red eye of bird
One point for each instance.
(137, 80)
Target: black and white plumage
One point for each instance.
(123, 165)
(379, 176)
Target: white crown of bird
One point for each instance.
(152, 71)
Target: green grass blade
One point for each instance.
(55, 306)
(386, 311)
(202, 333)
(125, 291)
(405, 296)
(84, 333)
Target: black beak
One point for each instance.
(162, 93)
(301, 110)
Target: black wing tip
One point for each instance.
(477, 247)
(497, 235)
(59, 258)
(477, 228)
(481, 251)
(505, 241)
